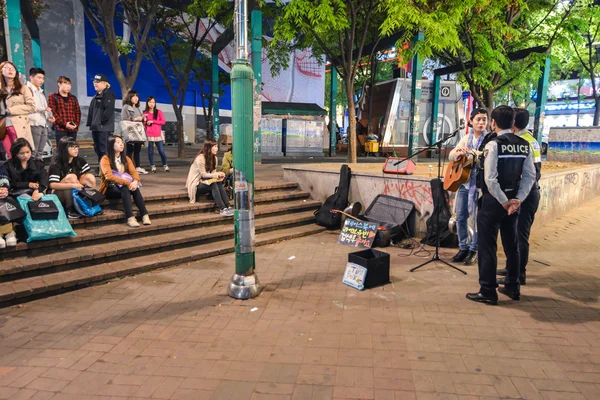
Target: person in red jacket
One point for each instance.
(154, 123)
(65, 110)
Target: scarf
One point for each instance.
(471, 144)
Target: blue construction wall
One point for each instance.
(149, 81)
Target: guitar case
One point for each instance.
(337, 201)
(441, 208)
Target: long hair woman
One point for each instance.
(68, 171)
(154, 123)
(131, 112)
(121, 180)
(19, 104)
(204, 177)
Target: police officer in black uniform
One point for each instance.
(530, 205)
(508, 175)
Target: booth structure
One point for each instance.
(391, 113)
(293, 129)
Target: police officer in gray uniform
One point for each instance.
(508, 174)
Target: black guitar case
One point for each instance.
(337, 201)
(440, 206)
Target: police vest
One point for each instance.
(537, 154)
(512, 153)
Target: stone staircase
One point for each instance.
(105, 248)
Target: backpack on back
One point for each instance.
(337, 201)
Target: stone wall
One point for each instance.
(580, 145)
(560, 192)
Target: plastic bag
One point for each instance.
(83, 206)
(46, 229)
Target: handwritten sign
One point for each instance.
(355, 276)
(358, 234)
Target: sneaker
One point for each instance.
(146, 220)
(132, 222)
(2, 242)
(11, 239)
(141, 170)
(166, 167)
(153, 169)
(73, 215)
(226, 212)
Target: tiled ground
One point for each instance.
(174, 334)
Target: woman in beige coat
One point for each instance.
(19, 104)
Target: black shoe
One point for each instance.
(502, 281)
(480, 298)
(73, 215)
(460, 256)
(501, 272)
(513, 294)
(471, 258)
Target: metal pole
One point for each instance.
(434, 109)
(540, 103)
(36, 52)
(216, 122)
(244, 282)
(256, 23)
(415, 99)
(332, 112)
(16, 53)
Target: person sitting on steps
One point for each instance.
(120, 180)
(68, 171)
(227, 169)
(7, 233)
(204, 177)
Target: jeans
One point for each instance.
(40, 137)
(218, 193)
(123, 193)
(493, 217)
(100, 139)
(462, 221)
(160, 146)
(134, 149)
(60, 134)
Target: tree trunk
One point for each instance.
(489, 99)
(597, 111)
(180, 139)
(352, 149)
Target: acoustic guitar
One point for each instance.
(457, 173)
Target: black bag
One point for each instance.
(440, 206)
(42, 210)
(91, 196)
(10, 211)
(337, 201)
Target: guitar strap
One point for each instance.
(472, 179)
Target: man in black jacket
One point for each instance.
(101, 116)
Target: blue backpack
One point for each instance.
(83, 206)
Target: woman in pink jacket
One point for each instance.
(154, 123)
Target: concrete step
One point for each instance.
(120, 248)
(179, 206)
(41, 286)
(182, 194)
(110, 232)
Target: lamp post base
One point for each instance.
(244, 287)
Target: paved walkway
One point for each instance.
(174, 334)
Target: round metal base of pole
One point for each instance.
(244, 287)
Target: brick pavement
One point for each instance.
(174, 334)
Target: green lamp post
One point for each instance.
(244, 282)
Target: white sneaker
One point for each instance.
(153, 169)
(2, 242)
(226, 212)
(132, 222)
(166, 167)
(141, 170)
(146, 220)
(11, 239)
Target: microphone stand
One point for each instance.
(438, 145)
